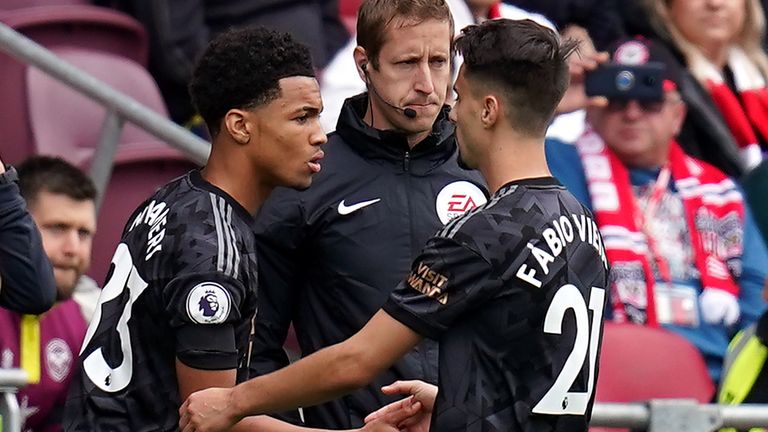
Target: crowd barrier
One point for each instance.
(679, 415)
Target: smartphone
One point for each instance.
(620, 81)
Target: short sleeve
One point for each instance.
(203, 300)
(446, 281)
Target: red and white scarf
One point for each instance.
(744, 116)
(713, 205)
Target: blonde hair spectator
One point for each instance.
(712, 38)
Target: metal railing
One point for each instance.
(679, 415)
(11, 380)
(120, 107)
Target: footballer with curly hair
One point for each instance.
(151, 343)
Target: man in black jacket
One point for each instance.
(329, 256)
(26, 277)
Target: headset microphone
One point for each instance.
(408, 112)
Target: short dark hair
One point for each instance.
(54, 175)
(374, 16)
(241, 69)
(526, 61)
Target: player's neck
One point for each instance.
(243, 185)
(512, 158)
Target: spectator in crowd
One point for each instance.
(492, 285)
(180, 30)
(61, 200)
(341, 79)
(26, 278)
(684, 250)
(721, 44)
(176, 313)
(330, 256)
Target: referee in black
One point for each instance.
(513, 291)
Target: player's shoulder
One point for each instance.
(518, 210)
(190, 200)
(522, 201)
(188, 216)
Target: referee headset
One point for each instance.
(408, 112)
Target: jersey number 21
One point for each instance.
(558, 400)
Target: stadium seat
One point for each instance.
(58, 28)
(67, 124)
(41, 115)
(133, 181)
(640, 363)
(23, 4)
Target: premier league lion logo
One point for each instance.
(208, 303)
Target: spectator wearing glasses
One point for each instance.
(684, 250)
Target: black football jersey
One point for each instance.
(182, 284)
(514, 293)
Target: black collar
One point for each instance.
(197, 180)
(388, 144)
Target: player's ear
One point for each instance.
(238, 125)
(491, 111)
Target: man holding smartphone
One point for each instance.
(684, 251)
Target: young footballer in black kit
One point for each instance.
(175, 315)
(513, 291)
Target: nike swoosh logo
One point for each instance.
(345, 209)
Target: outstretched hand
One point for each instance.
(421, 394)
(207, 411)
(392, 420)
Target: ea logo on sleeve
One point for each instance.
(457, 198)
(208, 303)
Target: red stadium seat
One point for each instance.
(23, 4)
(67, 124)
(640, 363)
(40, 115)
(58, 28)
(133, 181)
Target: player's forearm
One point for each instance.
(265, 423)
(328, 373)
(323, 376)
